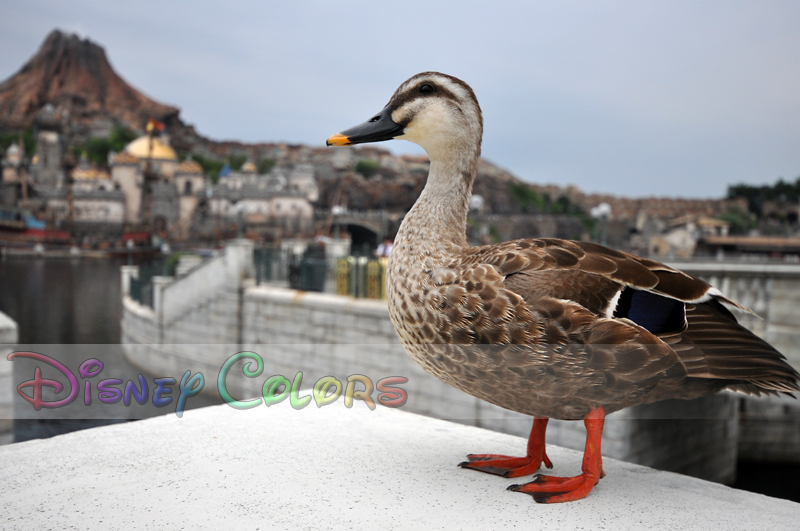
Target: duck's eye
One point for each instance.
(426, 89)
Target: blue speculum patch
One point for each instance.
(655, 313)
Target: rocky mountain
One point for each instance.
(70, 83)
(87, 96)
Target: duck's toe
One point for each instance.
(552, 489)
(506, 466)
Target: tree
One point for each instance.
(265, 166)
(528, 199)
(237, 161)
(97, 149)
(28, 142)
(210, 167)
(367, 167)
(740, 221)
(757, 195)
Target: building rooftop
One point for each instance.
(125, 158)
(189, 166)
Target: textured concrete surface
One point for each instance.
(334, 468)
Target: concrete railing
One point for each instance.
(205, 281)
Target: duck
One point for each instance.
(546, 327)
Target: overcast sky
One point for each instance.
(633, 98)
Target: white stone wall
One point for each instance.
(196, 320)
(8, 340)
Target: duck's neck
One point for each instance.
(438, 220)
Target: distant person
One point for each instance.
(384, 249)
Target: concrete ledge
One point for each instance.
(139, 310)
(327, 301)
(334, 468)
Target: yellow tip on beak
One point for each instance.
(338, 140)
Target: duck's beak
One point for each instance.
(378, 128)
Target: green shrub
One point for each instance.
(97, 149)
(740, 221)
(237, 161)
(527, 198)
(265, 166)
(367, 167)
(28, 142)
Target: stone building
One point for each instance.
(163, 159)
(680, 236)
(46, 163)
(92, 205)
(301, 179)
(261, 207)
(127, 174)
(175, 191)
(298, 180)
(189, 183)
(14, 181)
(281, 199)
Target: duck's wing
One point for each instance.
(686, 313)
(590, 274)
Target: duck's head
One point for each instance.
(436, 111)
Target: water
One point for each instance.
(62, 300)
(69, 309)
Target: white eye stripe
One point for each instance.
(454, 88)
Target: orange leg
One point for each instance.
(514, 467)
(551, 489)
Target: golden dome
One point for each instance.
(141, 148)
(249, 167)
